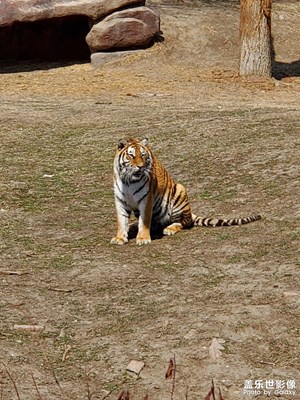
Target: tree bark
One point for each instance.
(255, 32)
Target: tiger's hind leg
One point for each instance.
(181, 216)
(173, 229)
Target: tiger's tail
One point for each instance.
(213, 222)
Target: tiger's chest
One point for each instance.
(134, 195)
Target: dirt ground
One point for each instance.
(234, 143)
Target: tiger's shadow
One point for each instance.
(156, 232)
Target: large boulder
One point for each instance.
(144, 14)
(12, 11)
(134, 27)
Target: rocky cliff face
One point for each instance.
(12, 11)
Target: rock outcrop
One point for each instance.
(65, 29)
(12, 11)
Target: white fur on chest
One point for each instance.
(134, 194)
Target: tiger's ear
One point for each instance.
(144, 142)
(121, 144)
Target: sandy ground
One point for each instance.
(233, 142)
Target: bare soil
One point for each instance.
(233, 142)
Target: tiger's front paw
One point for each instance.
(118, 240)
(140, 240)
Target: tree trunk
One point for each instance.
(255, 32)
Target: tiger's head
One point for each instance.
(133, 160)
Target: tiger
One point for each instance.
(144, 187)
